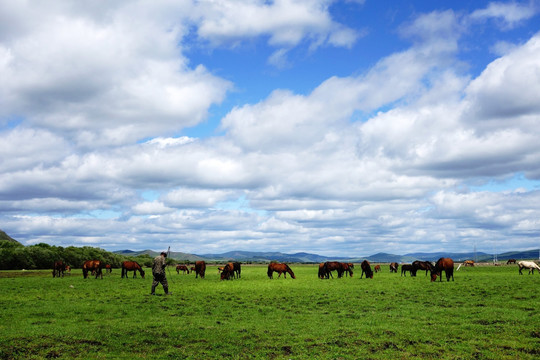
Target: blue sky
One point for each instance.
(333, 127)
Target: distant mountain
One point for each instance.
(456, 256)
(303, 257)
(178, 256)
(6, 237)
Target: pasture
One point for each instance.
(487, 312)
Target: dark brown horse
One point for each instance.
(421, 265)
(280, 269)
(394, 267)
(237, 268)
(366, 269)
(200, 269)
(59, 267)
(108, 268)
(131, 266)
(182, 268)
(322, 272)
(228, 272)
(92, 266)
(330, 266)
(405, 268)
(511, 261)
(445, 264)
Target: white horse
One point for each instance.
(531, 265)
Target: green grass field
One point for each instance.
(487, 313)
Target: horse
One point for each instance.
(377, 268)
(280, 269)
(366, 268)
(227, 272)
(200, 269)
(323, 274)
(237, 269)
(108, 268)
(330, 266)
(445, 264)
(394, 267)
(131, 266)
(511, 261)
(347, 268)
(184, 268)
(468, 263)
(421, 265)
(531, 265)
(92, 265)
(59, 267)
(405, 268)
(192, 269)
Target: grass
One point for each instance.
(487, 313)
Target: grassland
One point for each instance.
(487, 313)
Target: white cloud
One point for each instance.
(510, 14)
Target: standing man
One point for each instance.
(158, 271)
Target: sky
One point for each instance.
(341, 128)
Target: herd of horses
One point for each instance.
(233, 270)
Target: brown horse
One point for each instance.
(59, 267)
(394, 267)
(131, 266)
(228, 271)
(366, 268)
(511, 261)
(377, 268)
(322, 272)
(445, 264)
(468, 263)
(184, 268)
(347, 268)
(421, 265)
(200, 269)
(108, 268)
(280, 269)
(330, 266)
(92, 266)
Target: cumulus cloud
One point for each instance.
(374, 160)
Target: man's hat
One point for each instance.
(164, 253)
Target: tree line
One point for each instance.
(15, 256)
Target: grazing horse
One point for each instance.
(468, 263)
(330, 266)
(394, 267)
(322, 272)
(511, 261)
(108, 268)
(405, 268)
(421, 265)
(92, 266)
(347, 268)
(377, 268)
(280, 269)
(445, 264)
(59, 267)
(131, 266)
(184, 268)
(366, 268)
(531, 265)
(227, 272)
(200, 269)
